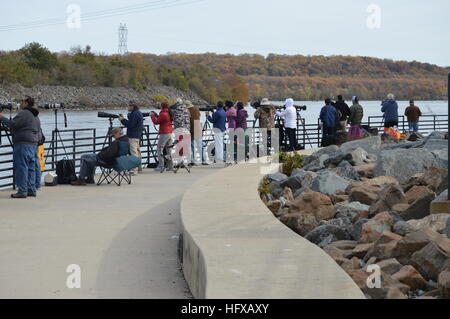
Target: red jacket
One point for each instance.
(164, 121)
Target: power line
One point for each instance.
(102, 14)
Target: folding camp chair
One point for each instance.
(110, 174)
(120, 171)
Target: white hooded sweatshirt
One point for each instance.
(289, 114)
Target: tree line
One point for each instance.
(226, 76)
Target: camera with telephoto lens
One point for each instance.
(106, 115)
(8, 107)
(53, 106)
(208, 108)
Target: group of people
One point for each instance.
(183, 120)
(336, 116)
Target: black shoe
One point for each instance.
(31, 194)
(18, 195)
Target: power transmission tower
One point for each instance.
(123, 39)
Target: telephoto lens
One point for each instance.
(106, 115)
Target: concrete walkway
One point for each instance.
(124, 239)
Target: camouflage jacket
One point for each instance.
(180, 116)
(266, 116)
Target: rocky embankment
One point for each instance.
(368, 202)
(95, 97)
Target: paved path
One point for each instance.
(123, 238)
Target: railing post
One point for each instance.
(74, 147)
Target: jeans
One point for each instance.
(198, 149)
(24, 158)
(164, 141)
(218, 142)
(88, 163)
(292, 138)
(413, 127)
(135, 149)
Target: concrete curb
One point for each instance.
(234, 248)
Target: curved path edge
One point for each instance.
(234, 248)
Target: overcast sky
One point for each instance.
(409, 29)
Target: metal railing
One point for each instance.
(71, 144)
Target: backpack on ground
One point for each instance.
(65, 169)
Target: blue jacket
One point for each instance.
(134, 124)
(219, 118)
(390, 110)
(328, 115)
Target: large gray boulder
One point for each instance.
(276, 177)
(327, 234)
(317, 164)
(404, 163)
(328, 183)
(345, 169)
(329, 150)
(350, 210)
(371, 145)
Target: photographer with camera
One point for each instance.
(290, 123)
(218, 119)
(164, 120)
(25, 129)
(328, 117)
(196, 135)
(119, 147)
(265, 113)
(344, 112)
(135, 127)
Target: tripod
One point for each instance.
(56, 136)
(305, 132)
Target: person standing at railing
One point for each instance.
(218, 119)
(196, 129)
(390, 110)
(290, 123)
(135, 127)
(355, 119)
(328, 118)
(25, 135)
(231, 115)
(164, 120)
(344, 111)
(413, 115)
(40, 155)
(266, 116)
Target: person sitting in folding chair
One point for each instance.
(114, 158)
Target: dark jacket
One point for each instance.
(328, 115)
(356, 115)
(25, 126)
(390, 110)
(413, 113)
(114, 150)
(219, 119)
(164, 120)
(134, 124)
(344, 109)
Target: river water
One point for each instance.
(89, 119)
